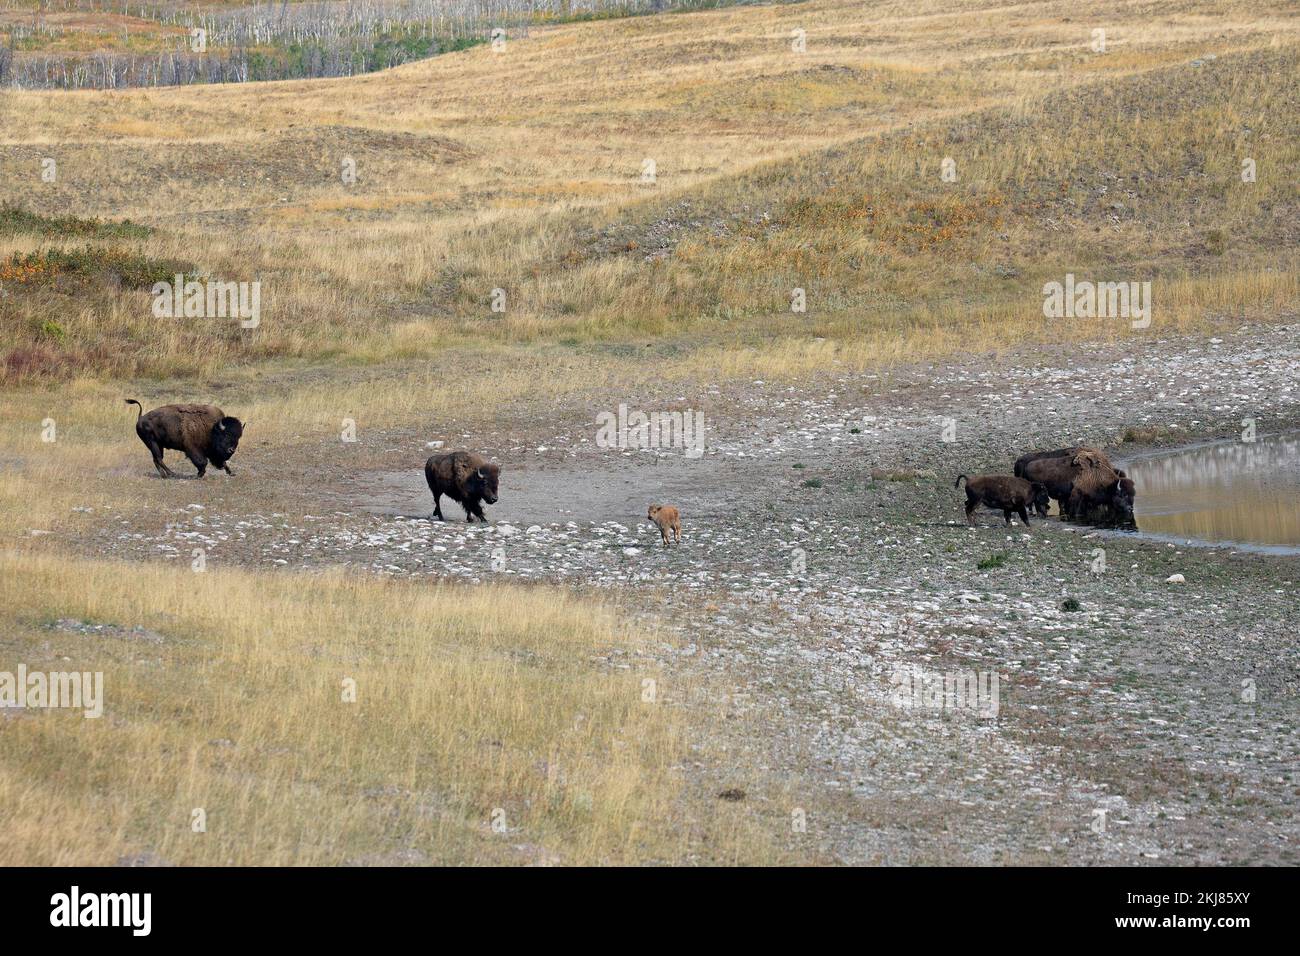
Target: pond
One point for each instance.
(1231, 492)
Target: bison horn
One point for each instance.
(481, 474)
(221, 426)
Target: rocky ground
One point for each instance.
(825, 558)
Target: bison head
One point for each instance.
(225, 438)
(1122, 495)
(1041, 500)
(483, 483)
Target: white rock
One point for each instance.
(1175, 579)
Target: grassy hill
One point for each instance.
(522, 171)
(647, 195)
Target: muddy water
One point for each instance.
(1230, 492)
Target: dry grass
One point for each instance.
(467, 701)
(521, 171)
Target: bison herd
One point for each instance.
(1083, 482)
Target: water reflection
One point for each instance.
(1234, 491)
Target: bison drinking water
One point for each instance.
(1102, 496)
(1084, 483)
(203, 432)
(464, 477)
(1059, 470)
(1002, 493)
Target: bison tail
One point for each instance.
(957, 483)
(132, 401)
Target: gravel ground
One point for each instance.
(1137, 721)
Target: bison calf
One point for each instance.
(666, 518)
(1003, 493)
(203, 432)
(463, 477)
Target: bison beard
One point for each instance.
(204, 433)
(463, 477)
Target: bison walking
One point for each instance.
(1002, 493)
(204, 433)
(463, 477)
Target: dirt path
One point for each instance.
(809, 588)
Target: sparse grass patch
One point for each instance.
(15, 220)
(469, 701)
(992, 562)
(130, 270)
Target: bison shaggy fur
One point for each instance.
(1103, 496)
(204, 433)
(1059, 472)
(463, 477)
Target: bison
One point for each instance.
(203, 432)
(1024, 460)
(463, 477)
(1004, 493)
(1059, 472)
(1102, 496)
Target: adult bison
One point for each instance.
(463, 477)
(1023, 461)
(203, 432)
(1103, 496)
(1058, 472)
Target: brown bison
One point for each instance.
(1059, 472)
(463, 477)
(203, 432)
(1004, 493)
(1102, 496)
(1023, 460)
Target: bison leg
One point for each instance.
(1006, 516)
(1024, 515)
(663, 533)
(971, 504)
(226, 469)
(156, 451)
(478, 511)
(437, 506)
(198, 460)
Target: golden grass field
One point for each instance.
(468, 703)
(522, 171)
